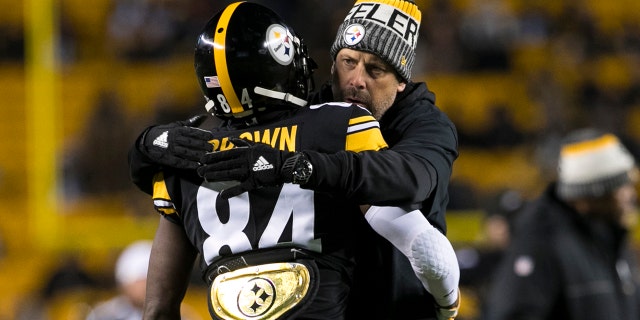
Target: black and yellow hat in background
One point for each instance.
(592, 164)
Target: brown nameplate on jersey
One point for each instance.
(263, 292)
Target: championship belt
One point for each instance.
(266, 291)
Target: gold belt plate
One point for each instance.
(262, 292)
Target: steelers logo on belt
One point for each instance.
(256, 297)
(266, 291)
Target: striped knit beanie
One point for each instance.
(386, 28)
(592, 164)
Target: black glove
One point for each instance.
(178, 144)
(255, 165)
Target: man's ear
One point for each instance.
(333, 67)
(401, 86)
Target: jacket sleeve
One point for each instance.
(419, 161)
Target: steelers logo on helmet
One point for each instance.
(280, 44)
(354, 34)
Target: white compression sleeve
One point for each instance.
(429, 251)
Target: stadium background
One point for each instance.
(79, 80)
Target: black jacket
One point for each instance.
(562, 266)
(415, 173)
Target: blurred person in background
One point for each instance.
(570, 256)
(131, 270)
(479, 259)
(131, 280)
(81, 156)
(139, 30)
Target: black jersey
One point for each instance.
(270, 217)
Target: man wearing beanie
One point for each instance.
(373, 54)
(570, 256)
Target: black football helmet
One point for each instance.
(247, 59)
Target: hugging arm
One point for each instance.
(423, 147)
(178, 145)
(430, 253)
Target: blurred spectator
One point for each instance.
(487, 31)
(131, 280)
(501, 131)
(100, 145)
(631, 36)
(69, 275)
(144, 29)
(441, 50)
(575, 31)
(462, 195)
(534, 25)
(479, 261)
(570, 255)
(67, 46)
(11, 42)
(68, 279)
(547, 92)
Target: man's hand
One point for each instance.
(178, 144)
(255, 165)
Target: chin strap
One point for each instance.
(209, 106)
(280, 96)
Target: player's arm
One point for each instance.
(171, 262)
(170, 265)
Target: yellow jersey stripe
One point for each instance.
(362, 119)
(362, 126)
(161, 198)
(363, 140)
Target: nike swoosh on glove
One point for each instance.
(255, 165)
(178, 144)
